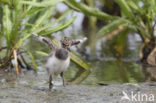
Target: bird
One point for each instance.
(58, 60)
(57, 63)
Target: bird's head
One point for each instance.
(66, 43)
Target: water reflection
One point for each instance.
(113, 62)
(112, 67)
(149, 73)
(108, 67)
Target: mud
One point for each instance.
(29, 93)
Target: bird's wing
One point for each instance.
(77, 41)
(45, 40)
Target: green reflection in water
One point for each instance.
(109, 67)
(107, 72)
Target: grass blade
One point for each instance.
(33, 11)
(125, 8)
(52, 23)
(153, 4)
(59, 27)
(41, 4)
(44, 16)
(91, 11)
(7, 25)
(111, 26)
(78, 60)
(33, 60)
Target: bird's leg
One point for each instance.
(62, 76)
(50, 82)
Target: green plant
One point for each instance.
(20, 18)
(136, 15)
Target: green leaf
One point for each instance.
(36, 28)
(21, 40)
(63, 16)
(33, 60)
(81, 77)
(90, 11)
(33, 11)
(125, 8)
(71, 5)
(133, 5)
(41, 4)
(39, 29)
(44, 16)
(59, 27)
(5, 1)
(47, 12)
(153, 4)
(30, 6)
(42, 53)
(7, 25)
(78, 60)
(111, 26)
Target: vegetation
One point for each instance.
(19, 19)
(137, 16)
(115, 60)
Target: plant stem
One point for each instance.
(16, 62)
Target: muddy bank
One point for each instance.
(112, 93)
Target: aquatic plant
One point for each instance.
(136, 16)
(19, 19)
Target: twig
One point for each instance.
(16, 63)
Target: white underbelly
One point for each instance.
(57, 66)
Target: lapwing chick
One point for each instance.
(59, 59)
(56, 63)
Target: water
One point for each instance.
(109, 63)
(108, 66)
(112, 61)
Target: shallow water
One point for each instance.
(23, 92)
(107, 65)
